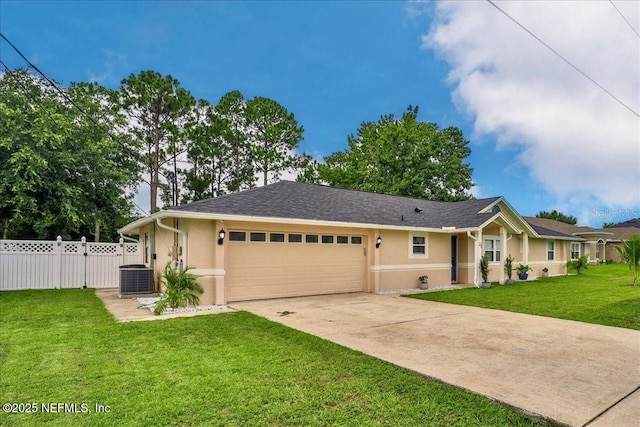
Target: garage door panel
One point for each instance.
(272, 270)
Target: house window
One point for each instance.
(311, 238)
(575, 250)
(276, 237)
(342, 240)
(598, 250)
(295, 238)
(237, 236)
(327, 238)
(550, 251)
(418, 248)
(492, 249)
(356, 240)
(258, 237)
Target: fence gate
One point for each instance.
(39, 264)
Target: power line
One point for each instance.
(563, 58)
(39, 104)
(625, 19)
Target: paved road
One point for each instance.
(569, 372)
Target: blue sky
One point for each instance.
(541, 134)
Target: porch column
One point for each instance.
(503, 252)
(476, 258)
(525, 248)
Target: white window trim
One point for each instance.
(495, 248)
(552, 250)
(571, 250)
(426, 245)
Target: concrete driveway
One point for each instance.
(569, 372)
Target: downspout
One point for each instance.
(475, 258)
(184, 238)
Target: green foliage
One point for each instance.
(235, 140)
(179, 289)
(276, 135)
(401, 156)
(232, 369)
(558, 216)
(630, 255)
(578, 265)
(522, 269)
(484, 268)
(508, 266)
(62, 173)
(156, 111)
(220, 151)
(604, 297)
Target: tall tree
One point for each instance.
(233, 132)
(558, 216)
(157, 110)
(62, 172)
(401, 156)
(276, 135)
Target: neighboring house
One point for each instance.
(585, 240)
(598, 244)
(292, 239)
(617, 234)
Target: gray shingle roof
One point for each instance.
(288, 199)
(551, 227)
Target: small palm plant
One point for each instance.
(578, 264)
(180, 288)
(630, 254)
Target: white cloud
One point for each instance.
(577, 142)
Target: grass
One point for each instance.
(602, 294)
(232, 369)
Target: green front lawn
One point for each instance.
(236, 369)
(602, 294)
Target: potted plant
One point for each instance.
(545, 272)
(523, 271)
(424, 282)
(484, 271)
(508, 269)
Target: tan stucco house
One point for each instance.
(292, 239)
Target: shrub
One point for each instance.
(579, 264)
(180, 288)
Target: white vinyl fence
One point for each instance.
(40, 264)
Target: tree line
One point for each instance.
(73, 157)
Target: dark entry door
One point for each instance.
(454, 258)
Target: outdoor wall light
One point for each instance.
(378, 241)
(221, 235)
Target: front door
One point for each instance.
(454, 258)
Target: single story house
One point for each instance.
(618, 233)
(293, 239)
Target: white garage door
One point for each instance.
(264, 265)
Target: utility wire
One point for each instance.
(66, 97)
(53, 119)
(625, 19)
(563, 58)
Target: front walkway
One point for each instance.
(129, 310)
(568, 372)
